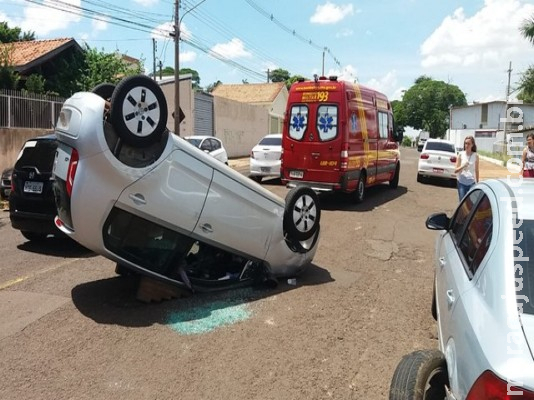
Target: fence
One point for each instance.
(28, 110)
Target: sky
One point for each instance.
(383, 44)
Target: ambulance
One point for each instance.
(339, 136)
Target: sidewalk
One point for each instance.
(490, 168)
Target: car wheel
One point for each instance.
(421, 375)
(104, 90)
(394, 183)
(360, 189)
(33, 236)
(302, 213)
(139, 111)
(419, 178)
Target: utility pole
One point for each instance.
(176, 68)
(508, 86)
(154, 56)
(324, 49)
(506, 106)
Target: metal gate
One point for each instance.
(203, 114)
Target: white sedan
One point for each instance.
(265, 157)
(211, 145)
(437, 160)
(133, 192)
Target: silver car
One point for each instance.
(483, 301)
(135, 193)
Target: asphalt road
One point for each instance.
(71, 329)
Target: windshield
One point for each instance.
(194, 142)
(526, 275)
(440, 146)
(271, 141)
(39, 154)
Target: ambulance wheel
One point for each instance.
(139, 111)
(360, 188)
(302, 213)
(394, 183)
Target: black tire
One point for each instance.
(360, 188)
(139, 111)
(419, 178)
(434, 305)
(394, 183)
(421, 375)
(104, 90)
(34, 236)
(302, 213)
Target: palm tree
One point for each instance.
(527, 29)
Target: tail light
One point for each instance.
(453, 159)
(71, 172)
(344, 157)
(425, 156)
(490, 386)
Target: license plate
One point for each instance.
(33, 187)
(296, 174)
(265, 169)
(438, 170)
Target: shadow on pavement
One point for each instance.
(112, 300)
(60, 247)
(375, 196)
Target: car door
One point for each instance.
(173, 193)
(462, 251)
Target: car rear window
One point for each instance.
(439, 146)
(39, 154)
(271, 141)
(194, 142)
(525, 275)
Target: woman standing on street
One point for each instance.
(528, 157)
(467, 167)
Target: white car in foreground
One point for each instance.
(135, 193)
(265, 157)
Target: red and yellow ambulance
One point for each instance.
(339, 136)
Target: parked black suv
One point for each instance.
(32, 206)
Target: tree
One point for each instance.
(292, 80)
(279, 75)
(526, 82)
(99, 67)
(8, 76)
(195, 79)
(527, 29)
(167, 71)
(211, 87)
(426, 105)
(9, 35)
(35, 83)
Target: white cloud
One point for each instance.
(233, 49)
(101, 24)
(146, 3)
(489, 38)
(188, 56)
(43, 19)
(345, 33)
(387, 84)
(330, 13)
(164, 30)
(347, 73)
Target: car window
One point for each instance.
(460, 218)
(206, 145)
(194, 142)
(477, 237)
(525, 273)
(143, 242)
(440, 146)
(215, 144)
(298, 121)
(327, 122)
(271, 141)
(39, 154)
(383, 125)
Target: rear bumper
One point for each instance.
(264, 168)
(33, 222)
(432, 172)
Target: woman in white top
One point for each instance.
(467, 167)
(528, 157)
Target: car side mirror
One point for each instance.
(438, 222)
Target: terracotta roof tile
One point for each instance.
(250, 92)
(25, 52)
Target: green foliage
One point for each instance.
(527, 29)
(526, 86)
(211, 87)
(407, 141)
(292, 80)
(279, 75)
(9, 35)
(167, 71)
(35, 83)
(8, 76)
(195, 79)
(99, 67)
(426, 106)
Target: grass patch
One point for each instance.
(496, 156)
